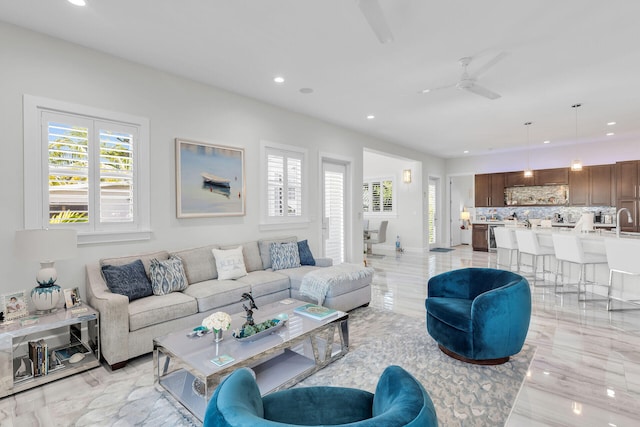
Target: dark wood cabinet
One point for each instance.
(627, 193)
(517, 179)
(480, 237)
(579, 187)
(489, 190)
(556, 176)
(601, 185)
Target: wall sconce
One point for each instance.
(406, 176)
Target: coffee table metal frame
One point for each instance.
(183, 366)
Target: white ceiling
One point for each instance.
(559, 53)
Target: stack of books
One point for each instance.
(39, 355)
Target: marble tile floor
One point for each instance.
(586, 370)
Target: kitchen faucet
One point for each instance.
(629, 219)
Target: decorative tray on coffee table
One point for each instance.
(279, 322)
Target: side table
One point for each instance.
(65, 332)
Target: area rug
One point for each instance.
(441, 250)
(463, 394)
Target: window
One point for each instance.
(86, 169)
(284, 198)
(378, 197)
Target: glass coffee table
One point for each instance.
(183, 364)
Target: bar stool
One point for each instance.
(568, 248)
(506, 239)
(622, 258)
(528, 244)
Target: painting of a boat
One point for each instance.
(215, 180)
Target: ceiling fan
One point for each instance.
(375, 18)
(468, 81)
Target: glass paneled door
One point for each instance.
(432, 212)
(333, 223)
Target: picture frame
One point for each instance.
(210, 180)
(14, 305)
(72, 297)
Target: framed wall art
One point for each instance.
(209, 179)
(14, 305)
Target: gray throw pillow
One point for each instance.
(129, 280)
(167, 276)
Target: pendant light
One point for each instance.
(528, 173)
(576, 164)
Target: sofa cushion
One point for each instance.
(229, 263)
(455, 312)
(128, 279)
(145, 258)
(167, 276)
(199, 263)
(212, 294)
(306, 257)
(265, 282)
(158, 309)
(265, 244)
(284, 255)
(251, 254)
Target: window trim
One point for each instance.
(394, 208)
(34, 178)
(285, 222)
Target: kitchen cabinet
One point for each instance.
(480, 237)
(601, 185)
(489, 190)
(517, 179)
(556, 176)
(627, 193)
(579, 187)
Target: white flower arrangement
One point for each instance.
(217, 321)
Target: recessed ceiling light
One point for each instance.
(426, 90)
(610, 133)
(611, 123)
(371, 117)
(466, 151)
(306, 90)
(278, 79)
(78, 2)
(546, 142)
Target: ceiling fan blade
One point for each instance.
(499, 57)
(432, 89)
(482, 91)
(373, 14)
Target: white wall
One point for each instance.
(41, 66)
(407, 223)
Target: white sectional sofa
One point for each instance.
(127, 328)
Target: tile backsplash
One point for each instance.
(568, 213)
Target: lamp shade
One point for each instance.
(44, 245)
(465, 216)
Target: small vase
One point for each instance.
(217, 335)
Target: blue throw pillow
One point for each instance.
(130, 280)
(306, 257)
(167, 276)
(284, 255)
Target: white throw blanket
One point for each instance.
(317, 283)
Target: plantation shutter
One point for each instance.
(116, 176)
(334, 212)
(284, 183)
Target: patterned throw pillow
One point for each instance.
(167, 276)
(130, 280)
(229, 263)
(306, 257)
(284, 255)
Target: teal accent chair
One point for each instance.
(399, 400)
(479, 315)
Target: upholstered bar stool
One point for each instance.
(568, 248)
(506, 240)
(528, 244)
(622, 258)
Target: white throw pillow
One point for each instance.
(229, 263)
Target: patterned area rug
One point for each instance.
(464, 395)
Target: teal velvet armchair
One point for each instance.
(479, 315)
(399, 400)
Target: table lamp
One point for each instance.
(465, 216)
(46, 246)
